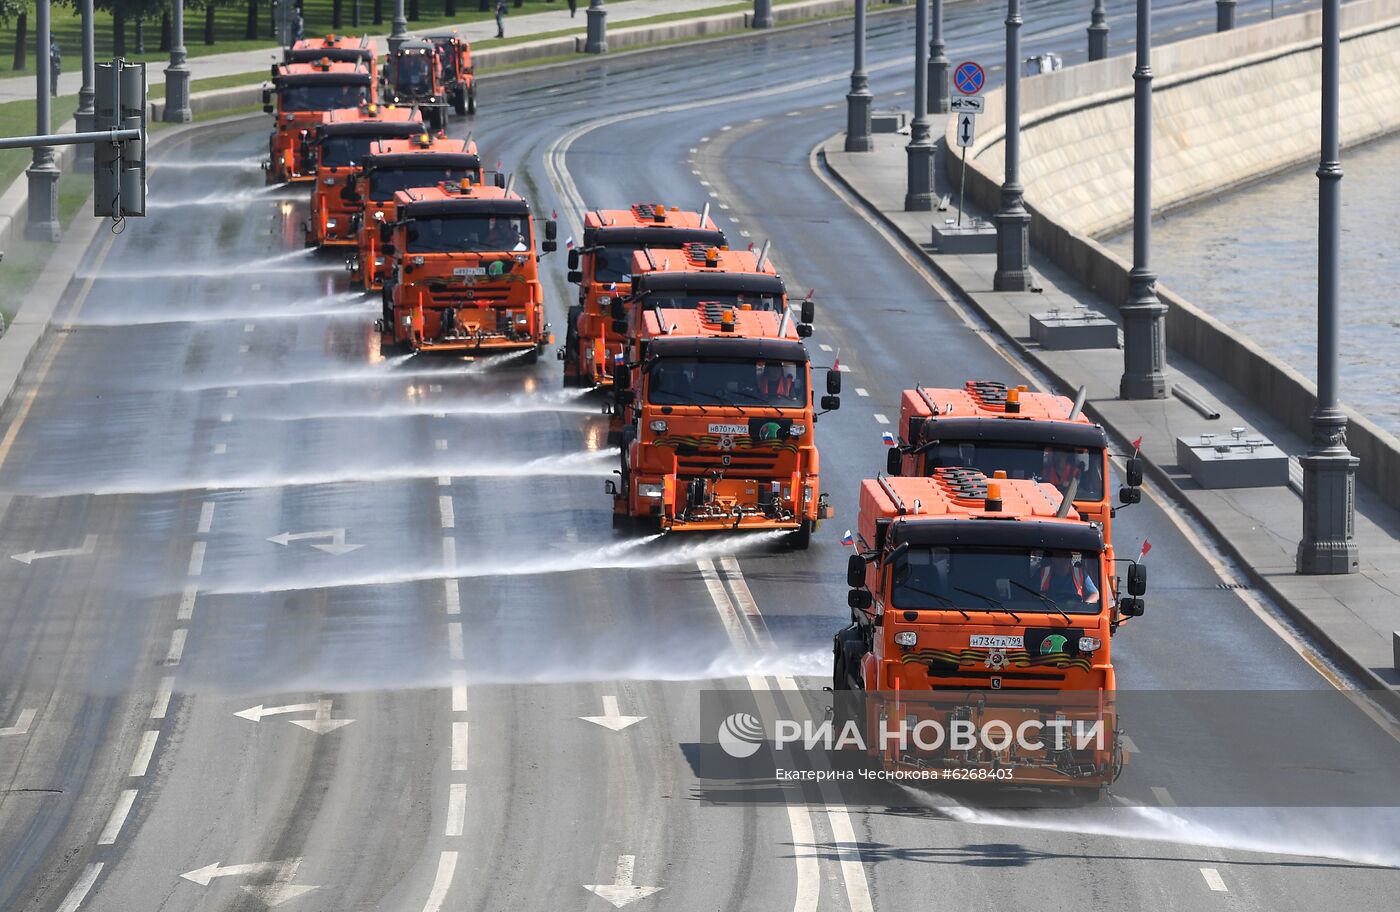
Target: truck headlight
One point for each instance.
(906, 638)
(328, 181)
(379, 261)
(379, 215)
(659, 426)
(417, 261)
(649, 490)
(604, 300)
(331, 223)
(1089, 644)
(407, 319)
(797, 430)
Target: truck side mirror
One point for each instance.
(574, 276)
(626, 396)
(267, 107)
(500, 181)
(617, 309)
(1129, 495)
(549, 246)
(1137, 579)
(573, 261)
(833, 382)
(894, 461)
(1131, 607)
(830, 403)
(619, 327)
(809, 311)
(804, 330)
(855, 571)
(898, 560)
(859, 599)
(1133, 469)
(551, 229)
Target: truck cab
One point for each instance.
(394, 165)
(457, 73)
(413, 76)
(467, 274)
(339, 147)
(978, 598)
(337, 48)
(720, 433)
(602, 269)
(304, 94)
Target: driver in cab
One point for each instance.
(1063, 578)
(773, 381)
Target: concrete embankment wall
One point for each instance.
(1227, 108)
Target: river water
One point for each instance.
(1249, 258)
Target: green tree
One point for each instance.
(17, 11)
(209, 7)
(124, 10)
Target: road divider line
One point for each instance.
(449, 552)
(882, 419)
(459, 691)
(449, 518)
(1214, 880)
(444, 481)
(197, 558)
(440, 444)
(220, 449)
(734, 577)
(231, 394)
(727, 615)
(456, 809)
(177, 646)
(142, 760)
(226, 417)
(454, 640)
(163, 692)
(81, 887)
(862, 392)
(118, 819)
(1163, 797)
(809, 875)
(442, 882)
(459, 747)
(186, 610)
(848, 851)
(452, 595)
(206, 517)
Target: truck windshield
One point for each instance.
(322, 97)
(1051, 464)
(613, 262)
(689, 299)
(385, 182)
(468, 234)
(984, 578)
(448, 59)
(694, 381)
(413, 74)
(345, 151)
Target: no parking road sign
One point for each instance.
(968, 77)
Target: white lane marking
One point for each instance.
(231, 394)
(832, 107)
(163, 692)
(696, 172)
(336, 546)
(22, 723)
(1213, 880)
(29, 557)
(1129, 745)
(243, 349)
(434, 387)
(283, 870)
(852, 868)
(447, 866)
(197, 558)
(456, 809)
(449, 518)
(444, 481)
(714, 195)
(247, 327)
(693, 150)
(622, 891)
(612, 719)
(118, 819)
(824, 347)
(186, 610)
(80, 888)
(142, 760)
(758, 628)
(744, 234)
(206, 517)
(704, 139)
(454, 640)
(439, 414)
(726, 128)
(881, 418)
(727, 615)
(809, 883)
(725, 206)
(703, 183)
(452, 595)
(459, 691)
(220, 449)
(1163, 797)
(459, 746)
(440, 444)
(862, 392)
(177, 646)
(793, 114)
(449, 552)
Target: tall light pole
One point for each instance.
(177, 74)
(86, 115)
(762, 14)
(858, 99)
(1012, 220)
(398, 32)
(1329, 470)
(919, 194)
(1144, 315)
(1224, 15)
(596, 41)
(937, 65)
(1098, 32)
(42, 223)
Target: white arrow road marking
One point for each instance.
(270, 894)
(622, 891)
(611, 719)
(26, 716)
(322, 724)
(337, 540)
(29, 557)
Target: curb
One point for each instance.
(1384, 692)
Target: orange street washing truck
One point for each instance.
(306, 92)
(989, 426)
(337, 48)
(391, 166)
(413, 75)
(602, 268)
(982, 604)
(467, 274)
(721, 430)
(456, 71)
(340, 146)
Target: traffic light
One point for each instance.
(119, 169)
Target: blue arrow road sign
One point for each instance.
(968, 77)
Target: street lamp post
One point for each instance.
(398, 31)
(1224, 15)
(177, 74)
(1328, 545)
(86, 115)
(1144, 315)
(937, 65)
(919, 194)
(596, 41)
(1012, 220)
(762, 14)
(1098, 32)
(42, 223)
(858, 99)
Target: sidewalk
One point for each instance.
(1352, 617)
(213, 65)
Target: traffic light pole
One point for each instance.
(42, 223)
(89, 138)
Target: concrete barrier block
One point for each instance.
(1082, 328)
(887, 121)
(1230, 462)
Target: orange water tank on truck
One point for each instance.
(304, 94)
(467, 275)
(340, 147)
(983, 603)
(721, 429)
(602, 268)
(336, 48)
(391, 166)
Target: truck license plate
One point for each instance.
(729, 429)
(988, 641)
(469, 270)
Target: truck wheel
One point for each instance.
(801, 537)
(459, 102)
(471, 99)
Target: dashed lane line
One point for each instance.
(1214, 880)
(454, 640)
(113, 829)
(142, 760)
(449, 519)
(881, 418)
(81, 887)
(452, 596)
(447, 866)
(177, 646)
(459, 746)
(162, 701)
(459, 691)
(206, 517)
(197, 558)
(456, 809)
(187, 598)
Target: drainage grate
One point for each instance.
(1231, 586)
